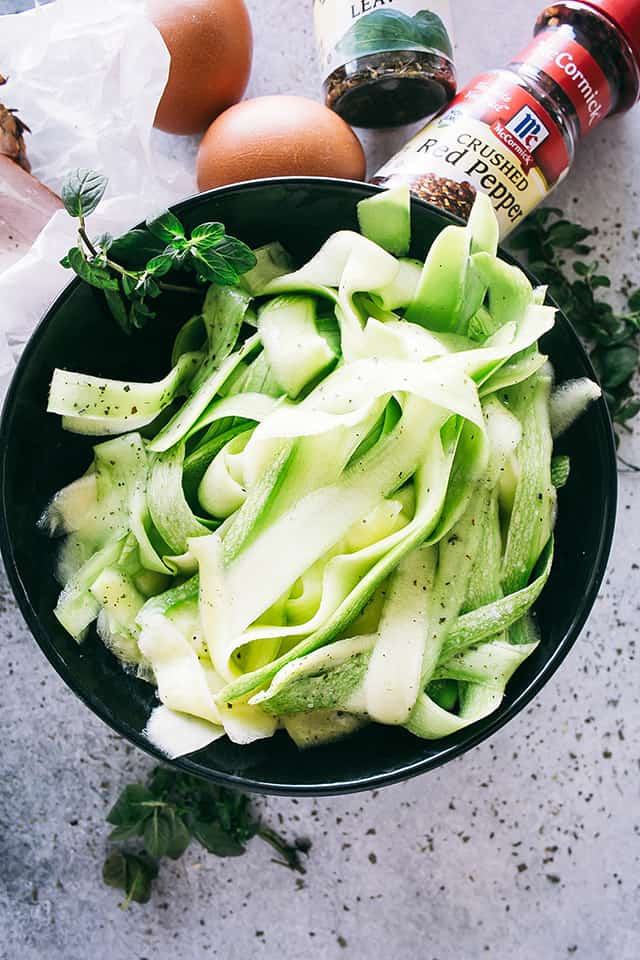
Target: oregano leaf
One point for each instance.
(96, 276)
(166, 226)
(82, 191)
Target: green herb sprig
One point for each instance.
(170, 812)
(129, 269)
(555, 250)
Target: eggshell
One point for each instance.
(278, 136)
(211, 46)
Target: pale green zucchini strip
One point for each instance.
(180, 424)
(431, 722)
(296, 352)
(436, 512)
(385, 218)
(183, 682)
(491, 664)
(346, 395)
(329, 582)
(533, 513)
(223, 312)
(272, 261)
(393, 679)
(518, 368)
(439, 300)
(77, 607)
(120, 602)
(122, 469)
(325, 515)
(321, 680)
(245, 406)
(178, 734)
(70, 508)
(320, 726)
(569, 401)
(474, 627)
(97, 405)
(171, 514)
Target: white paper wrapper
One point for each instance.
(87, 77)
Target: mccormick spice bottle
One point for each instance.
(512, 133)
(385, 62)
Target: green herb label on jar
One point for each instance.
(347, 30)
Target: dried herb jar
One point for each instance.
(385, 62)
(512, 133)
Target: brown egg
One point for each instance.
(211, 46)
(275, 137)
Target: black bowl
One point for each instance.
(38, 458)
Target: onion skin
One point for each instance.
(211, 47)
(278, 136)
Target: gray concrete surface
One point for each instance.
(525, 848)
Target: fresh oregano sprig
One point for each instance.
(171, 811)
(129, 269)
(556, 252)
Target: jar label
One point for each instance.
(557, 54)
(349, 29)
(494, 138)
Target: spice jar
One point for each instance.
(512, 133)
(385, 62)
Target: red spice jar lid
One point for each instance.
(625, 14)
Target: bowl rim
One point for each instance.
(476, 733)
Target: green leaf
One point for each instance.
(147, 286)
(582, 269)
(127, 808)
(210, 265)
(129, 285)
(82, 191)
(96, 276)
(157, 834)
(216, 839)
(180, 837)
(523, 238)
(160, 265)
(130, 872)
(161, 782)
(394, 30)
(564, 234)
(127, 831)
(208, 234)
(114, 871)
(543, 213)
(140, 876)
(135, 248)
(166, 227)
(237, 253)
(118, 309)
(139, 313)
(627, 410)
(598, 280)
(634, 301)
(103, 241)
(615, 365)
(65, 262)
